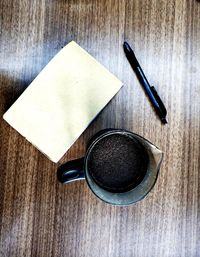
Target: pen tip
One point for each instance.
(164, 121)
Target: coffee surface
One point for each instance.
(118, 163)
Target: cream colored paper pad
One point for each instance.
(62, 100)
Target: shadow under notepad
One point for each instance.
(11, 88)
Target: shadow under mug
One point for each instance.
(78, 170)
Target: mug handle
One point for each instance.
(71, 171)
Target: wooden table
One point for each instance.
(39, 216)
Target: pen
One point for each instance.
(150, 90)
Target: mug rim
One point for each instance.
(135, 194)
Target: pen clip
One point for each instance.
(159, 101)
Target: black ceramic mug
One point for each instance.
(120, 167)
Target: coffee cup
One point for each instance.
(120, 167)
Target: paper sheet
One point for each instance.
(62, 100)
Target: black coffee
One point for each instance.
(118, 163)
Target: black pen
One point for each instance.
(150, 90)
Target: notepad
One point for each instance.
(62, 101)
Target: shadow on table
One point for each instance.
(10, 89)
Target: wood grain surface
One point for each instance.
(39, 216)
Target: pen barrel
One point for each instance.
(144, 82)
(159, 101)
(152, 94)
